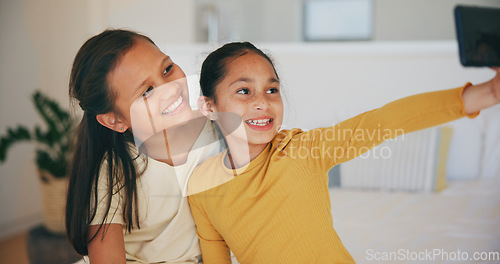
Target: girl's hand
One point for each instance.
(481, 96)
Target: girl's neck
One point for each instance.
(172, 146)
(241, 154)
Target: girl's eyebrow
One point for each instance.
(167, 58)
(249, 80)
(274, 80)
(243, 79)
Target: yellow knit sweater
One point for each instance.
(277, 209)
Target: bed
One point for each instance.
(445, 209)
(402, 227)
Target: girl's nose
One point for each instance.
(260, 102)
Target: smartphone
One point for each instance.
(478, 35)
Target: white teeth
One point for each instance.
(258, 122)
(173, 106)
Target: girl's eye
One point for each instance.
(168, 69)
(148, 91)
(243, 91)
(272, 90)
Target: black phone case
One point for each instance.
(478, 26)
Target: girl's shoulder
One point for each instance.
(208, 174)
(283, 137)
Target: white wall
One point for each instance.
(36, 53)
(281, 20)
(419, 20)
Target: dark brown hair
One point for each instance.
(96, 144)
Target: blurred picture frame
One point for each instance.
(337, 20)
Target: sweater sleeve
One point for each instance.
(214, 249)
(323, 148)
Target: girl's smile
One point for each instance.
(174, 107)
(262, 123)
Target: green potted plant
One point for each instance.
(52, 152)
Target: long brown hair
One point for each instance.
(96, 144)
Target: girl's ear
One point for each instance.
(206, 107)
(110, 121)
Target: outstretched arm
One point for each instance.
(353, 137)
(481, 96)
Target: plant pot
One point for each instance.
(54, 202)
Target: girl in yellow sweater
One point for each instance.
(266, 197)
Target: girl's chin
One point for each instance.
(261, 140)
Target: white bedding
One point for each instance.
(399, 227)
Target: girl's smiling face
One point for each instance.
(151, 90)
(251, 89)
